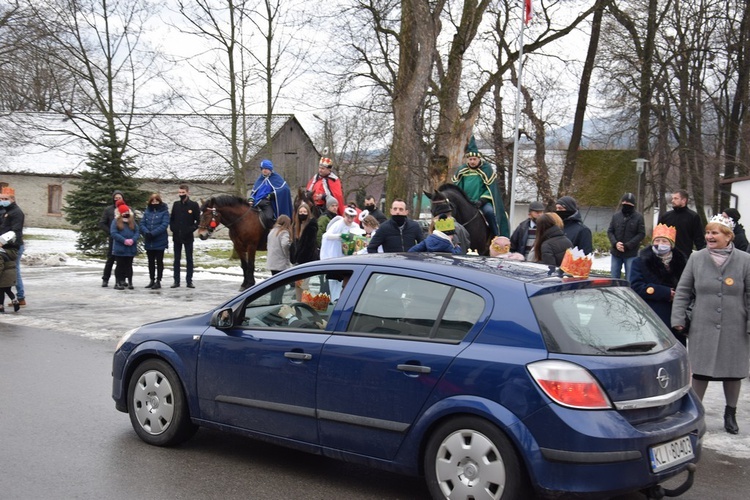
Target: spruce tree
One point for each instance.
(108, 170)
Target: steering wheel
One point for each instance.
(300, 306)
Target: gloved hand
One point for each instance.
(129, 242)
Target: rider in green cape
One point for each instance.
(478, 179)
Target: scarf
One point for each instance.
(720, 255)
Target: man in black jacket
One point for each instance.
(625, 233)
(183, 221)
(522, 239)
(105, 223)
(690, 230)
(372, 207)
(397, 234)
(576, 231)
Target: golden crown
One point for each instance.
(664, 231)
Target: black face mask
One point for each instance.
(183, 197)
(398, 219)
(370, 208)
(302, 216)
(564, 214)
(628, 209)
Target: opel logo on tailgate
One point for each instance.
(663, 377)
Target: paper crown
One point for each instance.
(446, 224)
(8, 191)
(577, 263)
(724, 221)
(500, 245)
(326, 162)
(664, 231)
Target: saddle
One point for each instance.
(265, 213)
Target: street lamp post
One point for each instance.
(640, 167)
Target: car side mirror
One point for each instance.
(223, 319)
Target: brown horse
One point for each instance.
(245, 230)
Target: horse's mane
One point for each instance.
(228, 200)
(453, 189)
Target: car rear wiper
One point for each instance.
(634, 347)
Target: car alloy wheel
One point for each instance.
(157, 406)
(470, 458)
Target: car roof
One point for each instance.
(480, 266)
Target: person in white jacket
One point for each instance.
(330, 246)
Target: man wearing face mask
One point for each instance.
(575, 230)
(397, 234)
(690, 229)
(183, 221)
(625, 233)
(372, 209)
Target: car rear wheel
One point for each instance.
(157, 406)
(470, 458)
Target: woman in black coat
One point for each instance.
(656, 272)
(551, 243)
(304, 243)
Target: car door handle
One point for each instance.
(298, 355)
(414, 368)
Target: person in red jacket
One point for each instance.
(325, 183)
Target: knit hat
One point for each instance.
(119, 203)
(123, 208)
(628, 198)
(536, 206)
(330, 201)
(471, 149)
(266, 164)
(568, 202)
(733, 213)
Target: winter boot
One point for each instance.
(119, 285)
(16, 305)
(157, 285)
(105, 283)
(730, 420)
(130, 284)
(150, 284)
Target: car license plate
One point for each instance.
(669, 454)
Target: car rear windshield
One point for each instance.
(601, 321)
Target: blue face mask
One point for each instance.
(4, 203)
(662, 249)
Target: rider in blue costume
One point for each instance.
(271, 188)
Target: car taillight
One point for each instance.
(569, 385)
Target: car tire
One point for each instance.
(468, 457)
(156, 405)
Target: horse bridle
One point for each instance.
(452, 206)
(213, 223)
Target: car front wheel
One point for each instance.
(157, 406)
(470, 458)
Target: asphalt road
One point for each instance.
(60, 436)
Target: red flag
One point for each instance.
(527, 11)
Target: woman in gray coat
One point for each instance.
(718, 341)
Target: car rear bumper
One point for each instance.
(600, 452)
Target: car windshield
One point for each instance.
(601, 321)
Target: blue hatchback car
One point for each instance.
(492, 379)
